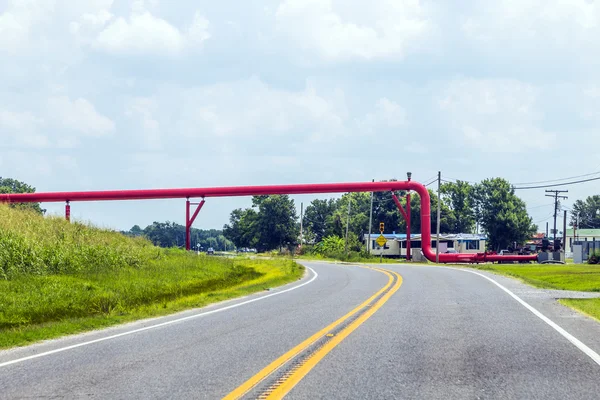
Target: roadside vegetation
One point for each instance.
(589, 307)
(58, 278)
(579, 277)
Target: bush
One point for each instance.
(594, 258)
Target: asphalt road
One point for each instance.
(444, 334)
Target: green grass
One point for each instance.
(589, 307)
(580, 277)
(58, 278)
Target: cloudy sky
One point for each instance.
(102, 94)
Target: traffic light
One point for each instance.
(381, 225)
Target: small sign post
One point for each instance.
(381, 241)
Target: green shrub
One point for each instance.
(594, 258)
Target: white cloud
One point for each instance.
(18, 20)
(387, 29)
(539, 26)
(198, 30)
(494, 115)
(144, 33)
(142, 110)
(237, 109)
(386, 114)
(590, 109)
(79, 115)
(21, 129)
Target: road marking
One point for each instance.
(579, 344)
(59, 350)
(306, 367)
(289, 355)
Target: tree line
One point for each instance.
(490, 207)
(171, 234)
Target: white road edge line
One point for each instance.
(59, 350)
(579, 344)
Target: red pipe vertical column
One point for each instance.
(68, 212)
(188, 236)
(408, 227)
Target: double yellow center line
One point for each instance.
(285, 383)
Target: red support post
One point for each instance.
(399, 205)
(406, 215)
(189, 221)
(408, 227)
(188, 235)
(68, 212)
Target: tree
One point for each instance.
(165, 234)
(8, 185)
(242, 229)
(276, 224)
(587, 212)
(269, 224)
(357, 220)
(317, 217)
(136, 230)
(459, 198)
(503, 215)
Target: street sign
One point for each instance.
(381, 240)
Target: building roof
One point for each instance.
(585, 232)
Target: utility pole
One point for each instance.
(556, 197)
(565, 232)
(437, 243)
(370, 223)
(347, 223)
(301, 221)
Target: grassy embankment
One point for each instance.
(58, 278)
(580, 277)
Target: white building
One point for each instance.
(581, 235)
(396, 243)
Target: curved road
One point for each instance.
(433, 333)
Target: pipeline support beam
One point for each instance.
(271, 190)
(189, 221)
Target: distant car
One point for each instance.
(504, 252)
(450, 251)
(210, 251)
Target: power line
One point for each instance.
(557, 184)
(545, 219)
(433, 178)
(462, 180)
(559, 179)
(453, 180)
(540, 206)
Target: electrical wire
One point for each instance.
(433, 178)
(540, 206)
(557, 184)
(462, 180)
(545, 219)
(557, 180)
